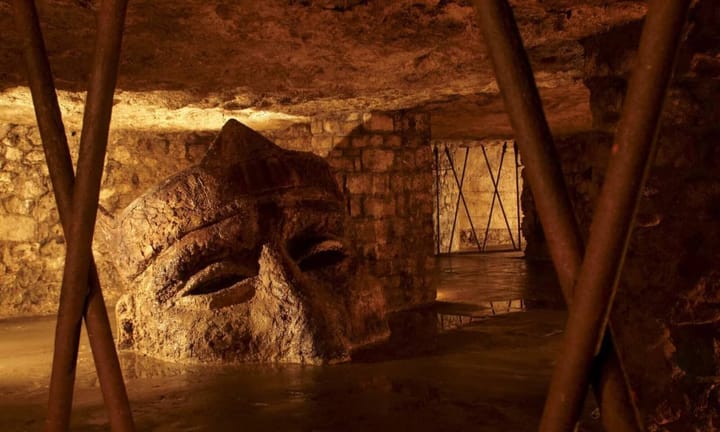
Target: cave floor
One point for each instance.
(467, 362)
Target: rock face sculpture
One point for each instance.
(243, 258)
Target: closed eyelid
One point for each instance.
(173, 268)
(217, 277)
(326, 245)
(322, 253)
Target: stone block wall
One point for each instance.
(296, 137)
(384, 163)
(32, 247)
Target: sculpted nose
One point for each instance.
(274, 273)
(288, 318)
(278, 317)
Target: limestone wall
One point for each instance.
(31, 240)
(384, 164)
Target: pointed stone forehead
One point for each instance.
(255, 165)
(241, 169)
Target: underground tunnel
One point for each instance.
(340, 215)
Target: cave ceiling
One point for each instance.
(191, 64)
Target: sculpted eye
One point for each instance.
(214, 284)
(320, 254)
(219, 277)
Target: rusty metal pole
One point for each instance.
(542, 169)
(59, 162)
(630, 160)
(517, 194)
(93, 142)
(545, 178)
(437, 197)
(496, 193)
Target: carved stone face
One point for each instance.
(244, 258)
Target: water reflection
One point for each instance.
(455, 315)
(486, 281)
(489, 377)
(435, 372)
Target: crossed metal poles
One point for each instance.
(77, 202)
(597, 275)
(496, 194)
(589, 284)
(460, 183)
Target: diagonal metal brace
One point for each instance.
(461, 196)
(77, 203)
(496, 193)
(545, 178)
(60, 167)
(630, 160)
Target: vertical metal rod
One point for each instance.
(60, 168)
(93, 142)
(546, 182)
(460, 186)
(517, 194)
(522, 101)
(462, 196)
(630, 161)
(496, 193)
(437, 192)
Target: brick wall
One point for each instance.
(383, 162)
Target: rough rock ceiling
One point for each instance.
(189, 64)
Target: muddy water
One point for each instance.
(467, 362)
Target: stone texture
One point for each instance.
(378, 122)
(304, 58)
(385, 165)
(666, 315)
(17, 228)
(322, 57)
(478, 192)
(378, 160)
(244, 257)
(24, 193)
(29, 220)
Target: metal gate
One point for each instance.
(467, 184)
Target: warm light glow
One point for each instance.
(157, 110)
